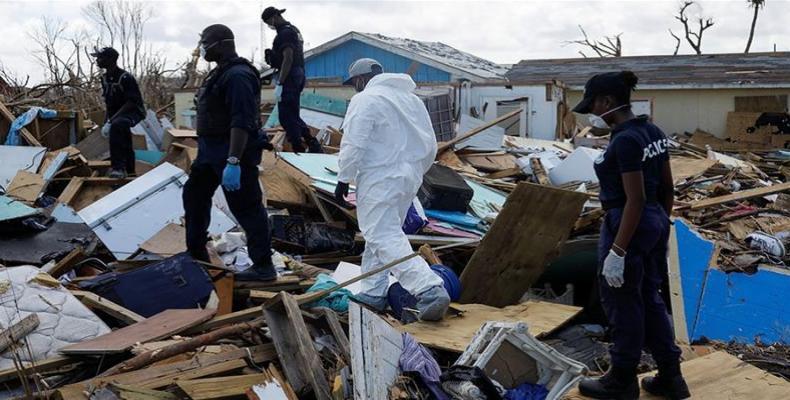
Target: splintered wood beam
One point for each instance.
(460, 138)
(18, 331)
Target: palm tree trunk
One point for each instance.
(751, 32)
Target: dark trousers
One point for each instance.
(636, 311)
(288, 111)
(121, 148)
(246, 204)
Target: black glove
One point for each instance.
(267, 56)
(341, 191)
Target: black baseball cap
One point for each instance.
(270, 12)
(609, 83)
(108, 52)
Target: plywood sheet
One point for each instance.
(282, 182)
(376, 348)
(455, 333)
(526, 235)
(170, 241)
(223, 387)
(687, 167)
(26, 186)
(160, 326)
(722, 376)
(491, 162)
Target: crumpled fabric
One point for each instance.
(416, 358)
(337, 300)
(457, 379)
(23, 120)
(387, 146)
(527, 391)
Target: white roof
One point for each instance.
(435, 54)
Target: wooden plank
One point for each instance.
(376, 348)
(721, 376)
(26, 186)
(684, 168)
(284, 185)
(18, 331)
(169, 241)
(761, 104)
(456, 333)
(94, 301)
(66, 264)
(295, 347)
(201, 365)
(224, 289)
(430, 256)
(160, 326)
(534, 221)
(460, 138)
(232, 318)
(491, 162)
(128, 392)
(507, 173)
(676, 290)
(224, 387)
(38, 367)
(742, 195)
(539, 171)
(276, 388)
(338, 332)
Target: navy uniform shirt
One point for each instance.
(118, 88)
(238, 91)
(288, 36)
(636, 145)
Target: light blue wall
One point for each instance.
(334, 63)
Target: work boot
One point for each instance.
(433, 303)
(117, 174)
(258, 272)
(378, 303)
(312, 145)
(671, 386)
(617, 383)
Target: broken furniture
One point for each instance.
(511, 356)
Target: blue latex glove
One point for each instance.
(278, 92)
(231, 177)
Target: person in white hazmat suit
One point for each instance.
(388, 145)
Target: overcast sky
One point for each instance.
(501, 31)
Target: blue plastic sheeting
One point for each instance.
(13, 209)
(150, 156)
(734, 306)
(337, 300)
(454, 217)
(314, 102)
(23, 120)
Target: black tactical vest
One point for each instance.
(213, 115)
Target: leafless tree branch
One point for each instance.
(611, 46)
(694, 38)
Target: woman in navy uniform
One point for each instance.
(637, 192)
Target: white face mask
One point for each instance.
(597, 121)
(203, 52)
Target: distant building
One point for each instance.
(681, 93)
(425, 61)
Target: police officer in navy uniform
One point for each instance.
(287, 57)
(124, 109)
(637, 192)
(229, 151)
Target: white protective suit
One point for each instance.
(388, 145)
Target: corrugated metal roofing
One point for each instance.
(711, 70)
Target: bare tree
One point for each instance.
(611, 46)
(121, 24)
(694, 38)
(757, 5)
(677, 42)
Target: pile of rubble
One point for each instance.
(102, 302)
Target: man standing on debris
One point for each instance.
(388, 145)
(637, 193)
(124, 109)
(287, 57)
(229, 151)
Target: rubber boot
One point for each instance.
(378, 303)
(668, 382)
(433, 303)
(617, 383)
(312, 145)
(117, 174)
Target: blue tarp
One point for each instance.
(23, 120)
